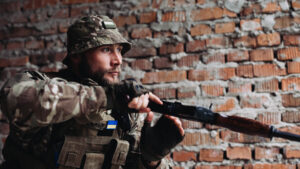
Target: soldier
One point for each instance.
(83, 116)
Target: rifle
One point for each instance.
(234, 123)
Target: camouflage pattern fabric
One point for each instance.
(34, 103)
(93, 31)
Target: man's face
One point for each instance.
(102, 64)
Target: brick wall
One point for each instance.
(241, 56)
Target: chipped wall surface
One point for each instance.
(240, 56)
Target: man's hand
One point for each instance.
(141, 104)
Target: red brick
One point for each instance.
(148, 17)
(235, 56)
(178, 16)
(48, 68)
(17, 18)
(164, 76)
(37, 59)
(226, 105)
(34, 44)
(200, 75)
(250, 25)
(201, 2)
(138, 33)
(262, 55)
(206, 14)
(266, 153)
(288, 53)
(271, 39)
(195, 46)
(296, 5)
(226, 73)
(291, 152)
(252, 101)
(269, 166)
(251, 9)
(239, 87)
(245, 71)
(200, 138)
(165, 93)
(163, 62)
(10, 6)
(271, 7)
(57, 57)
(231, 136)
(200, 29)
(291, 116)
(157, 4)
(291, 40)
(38, 17)
(263, 70)
(288, 100)
(228, 27)
(218, 167)
(184, 156)
(212, 90)
(234, 153)
(211, 155)
(33, 4)
(15, 61)
(245, 41)
(188, 61)
(78, 11)
(188, 124)
(221, 42)
(78, 1)
(186, 92)
(269, 118)
(21, 32)
(162, 34)
(61, 13)
(171, 48)
(271, 85)
(290, 84)
(283, 22)
(142, 64)
(15, 45)
(125, 20)
(137, 51)
(216, 57)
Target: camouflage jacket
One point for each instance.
(42, 109)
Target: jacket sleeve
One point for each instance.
(34, 100)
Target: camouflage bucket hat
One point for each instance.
(93, 31)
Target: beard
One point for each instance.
(97, 76)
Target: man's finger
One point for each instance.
(154, 98)
(177, 122)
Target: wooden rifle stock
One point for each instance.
(234, 123)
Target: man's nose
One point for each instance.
(116, 58)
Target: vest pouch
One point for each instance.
(76, 150)
(117, 153)
(93, 161)
(93, 153)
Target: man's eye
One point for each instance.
(105, 49)
(120, 49)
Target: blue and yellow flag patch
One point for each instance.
(112, 124)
